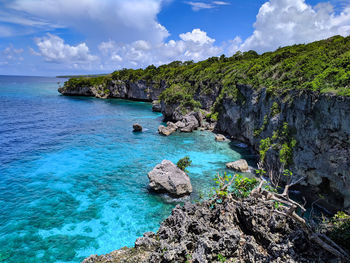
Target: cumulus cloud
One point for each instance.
(286, 22)
(119, 20)
(195, 45)
(53, 49)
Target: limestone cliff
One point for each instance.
(139, 90)
(318, 125)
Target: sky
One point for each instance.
(59, 37)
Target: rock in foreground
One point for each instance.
(167, 177)
(239, 166)
(249, 230)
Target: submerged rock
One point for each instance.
(167, 177)
(240, 165)
(137, 127)
(248, 230)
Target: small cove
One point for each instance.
(74, 175)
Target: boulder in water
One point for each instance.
(167, 177)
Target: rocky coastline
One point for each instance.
(319, 124)
(248, 230)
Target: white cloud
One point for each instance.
(53, 49)
(198, 36)
(287, 22)
(221, 3)
(195, 45)
(118, 20)
(196, 6)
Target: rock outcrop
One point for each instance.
(320, 124)
(139, 90)
(249, 230)
(239, 165)
(167, 177)
(220, 138)
(167, 130)
(156, 107)
(137, 127)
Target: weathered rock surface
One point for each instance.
(320, 123)
(156, 107)
(248, 230)
(167, 177)
(137, 127)
(167, 130)
(239, 165)
(139, 90)
(220, 138)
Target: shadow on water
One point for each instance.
(244, 150)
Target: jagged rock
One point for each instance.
(167, 130)
(239, 165)
(248, 230)
(137, 127)
(180, 124)
(191, 122)
(156, 107)
(220, 138)
(321, 127)
(167, 177)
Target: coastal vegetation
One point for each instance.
(183, 163)
(322, 66)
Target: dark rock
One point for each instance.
(167, 177)
(137, 127)
(239, 165)
(320, 123)
(241, 231)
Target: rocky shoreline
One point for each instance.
(318, 123)
(248, 230)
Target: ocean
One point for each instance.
(73, 175)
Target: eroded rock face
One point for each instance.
(167, 177)
(167, 130)
(319, 123)
(242, 231)
(239, 165)
(156, 107)
(139, 90)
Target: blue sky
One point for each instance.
(52, 37)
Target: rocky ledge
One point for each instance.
(248, 230)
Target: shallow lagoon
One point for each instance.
(73, 175)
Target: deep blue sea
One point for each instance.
(73, 175)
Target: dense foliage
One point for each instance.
(322, 66)
(183, 163)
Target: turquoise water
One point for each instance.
(73, 175)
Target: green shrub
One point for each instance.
(183, 163)
(340, 229)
